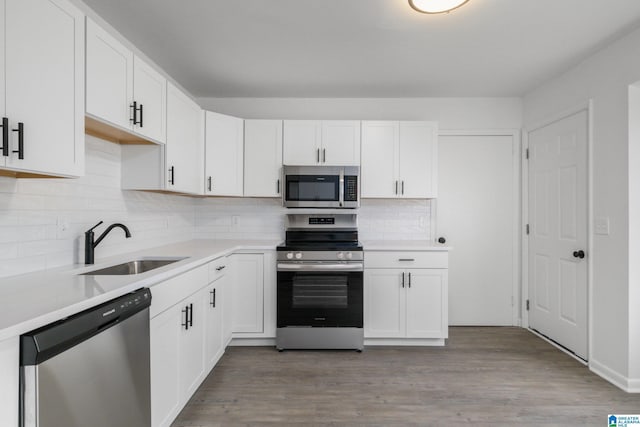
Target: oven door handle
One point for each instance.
(320, 267)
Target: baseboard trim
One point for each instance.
(253, 342)
(615, 378)
(405, 341)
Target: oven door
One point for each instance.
(320, 295)
(304, 191)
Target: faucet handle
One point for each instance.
(92, 228)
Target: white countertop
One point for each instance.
(36, 299)
(403, 245)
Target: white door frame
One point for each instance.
(515, 135)
(588, 107)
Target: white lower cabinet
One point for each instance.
(405, 305)
(248, 293)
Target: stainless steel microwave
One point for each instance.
(321, 186)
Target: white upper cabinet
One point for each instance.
(122, 90)
(150, 101)
(185, 143)
(223, 155)
(177, 165)
(327, 142)
(262, 158)
(43, 84)
(109, 77)
(399, 159)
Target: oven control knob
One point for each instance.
(349, 255)
(298, 255)
(289, 255)
(340, 255)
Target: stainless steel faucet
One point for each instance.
(90, 244)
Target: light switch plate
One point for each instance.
(602, 226)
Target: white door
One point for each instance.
(418, 160)
(379, 167)
(301, 142)
(477, 215)
(45, 85)
(262, 158)
(558, 231)
(150, 95)
(384, 303)
(109, 77)
(340, 143)
(223, 155)
(426, 302)
(185, 143)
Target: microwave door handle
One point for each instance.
(341, 198)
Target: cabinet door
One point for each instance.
(165, 335)
(226, 299)
(44, 66)
(109, 77)
(427, 303)
(213, 322)
(301, 142)
(379, 169)
(384, 303)
(192, 363)
(223, 155)
(262, 158)
(418, 160)
(248, 293)
(340, 143)
(185, 143)
(150, 95)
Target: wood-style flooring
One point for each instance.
(483, 376)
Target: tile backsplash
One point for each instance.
(42, 221)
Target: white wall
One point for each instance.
(42, 221)
(450, 113)
(605, 78)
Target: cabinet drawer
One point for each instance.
(218, 268)
(409, 259)
(174, 290)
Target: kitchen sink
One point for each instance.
(133, 267)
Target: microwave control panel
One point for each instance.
(351, 188)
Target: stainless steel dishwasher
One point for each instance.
(91, 369)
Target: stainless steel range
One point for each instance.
(320, 284)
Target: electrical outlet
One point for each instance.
(601, 226)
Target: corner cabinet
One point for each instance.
(326, 142)
(406, 297)
(262, 158)
(224, 157)
(399, 159)
(177, 165)
(42, 90)
(126, 97)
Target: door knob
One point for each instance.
(442, 240)
(578, 254)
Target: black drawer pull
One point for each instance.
(407, 259)
(222, 267)
(213, 298)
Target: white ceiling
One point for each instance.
(366, 48)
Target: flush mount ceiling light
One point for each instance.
(436, 6)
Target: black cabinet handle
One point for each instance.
(20, 150)
(213, 298)
(578, 254)
(141, 115)
(396, 187)
(186, 318)
(442, 240)
(191, 314)
(324, 155)
(318, 156)
(409, 279)
(172, 172)
(403, 279)
(222, 267)
(209, 183)
(5, 136)
(407, 259)
(402, 187)
(136, 109)
(278, 186)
